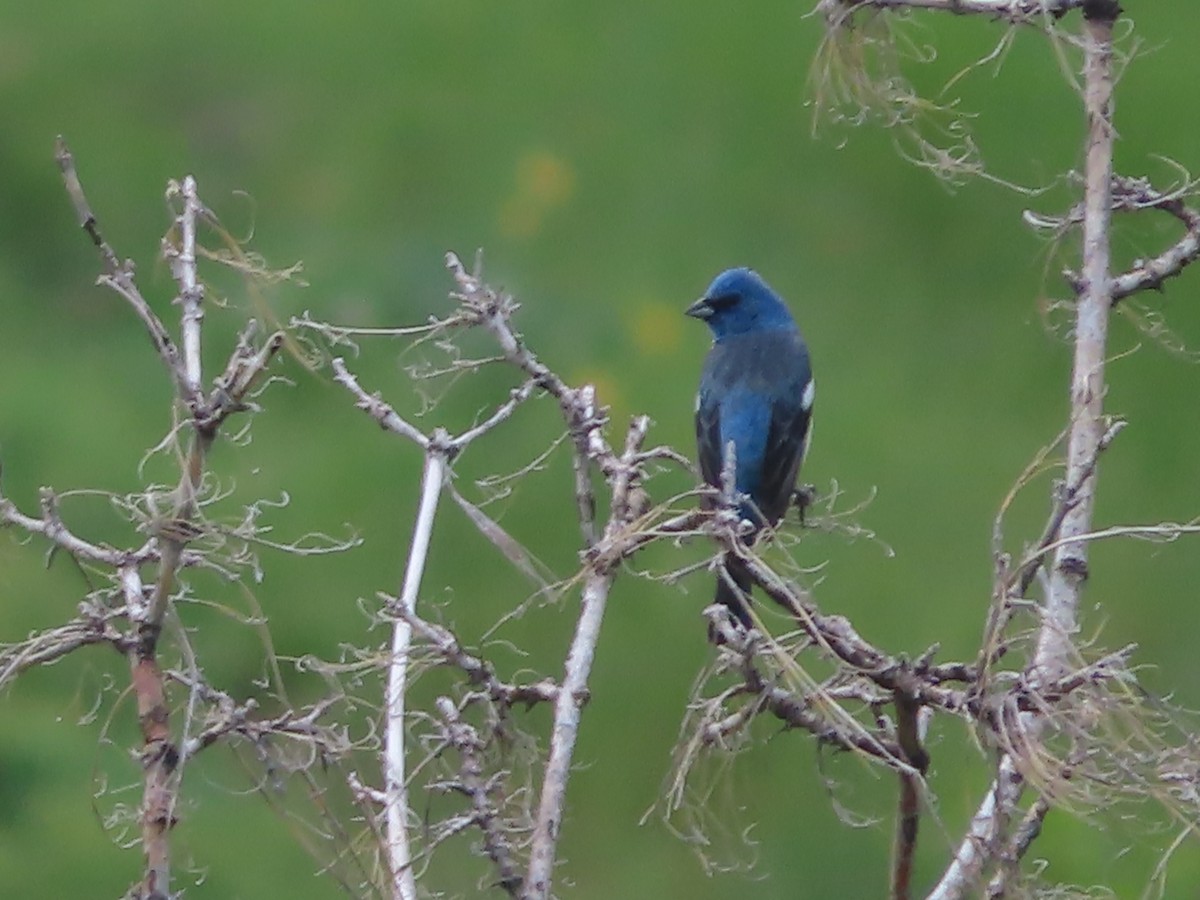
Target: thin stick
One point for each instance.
(567, 708)
(404, 883)
(191, 293)
(573, 691)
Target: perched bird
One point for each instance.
(756, 399)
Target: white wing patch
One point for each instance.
(696, 409)
(810, 393)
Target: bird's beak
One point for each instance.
(701, 309)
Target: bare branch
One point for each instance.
(795, 710)
(1066, 578)
(1017, 12)
(983, 834)
(51, 527)
(1068, 498)
(230, 718)
(395, 787)
(837, 636)
(160, 757)
(1023, 836)
(623, 474)
(487, 816)
(245, 368)
(119, 276)
(501, 414)
(1152, 273)
(484, 306)
(479, 672)
(91, 626)
(182, 259)
(1069, 571)
(912, 720)
(374, 406)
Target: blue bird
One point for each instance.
(756, 396)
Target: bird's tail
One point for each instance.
(735, 595)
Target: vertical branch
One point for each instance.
(404, 885)
(182, 260)
(1052, 657)
(160, 756)
(567, 708)
(1069, 572)
(622, 475)
(911, 722)
(979, 844)
(908, 818)
(191, 294)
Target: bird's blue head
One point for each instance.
(738, 302)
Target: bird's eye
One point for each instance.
(723, 301)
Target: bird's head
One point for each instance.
(738, 302)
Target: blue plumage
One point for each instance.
(756, 394)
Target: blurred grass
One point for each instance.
(610, 159)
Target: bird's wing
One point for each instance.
(787, 436)
(708, 436)
(784, 453)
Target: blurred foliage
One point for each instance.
(610, 158)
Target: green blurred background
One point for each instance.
(610, 158)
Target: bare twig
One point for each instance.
(93, 625)
(1150, 274)
(51, 527)
(978, 847)
(837, 636)
(159, 755)
(487, 817)
(146, 608)
(1136, 195)
(795, 710)
(441, 450)
(395, 789)
(479, 672)
(118, 275)
(376, 408)
(182, 259)
(493, 311)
